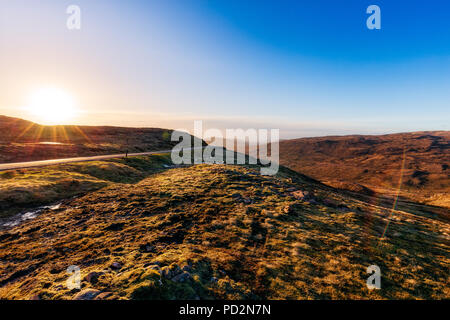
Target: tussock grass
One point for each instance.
(241, 236)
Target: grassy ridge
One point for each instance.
(374, 163)
(222, 231)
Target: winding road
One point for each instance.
(41, 163)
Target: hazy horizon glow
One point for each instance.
(306, 68)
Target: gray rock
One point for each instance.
(116, 266)
(86, 294)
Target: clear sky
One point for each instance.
(307, 67)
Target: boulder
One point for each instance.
(116, 266)
(86, 294)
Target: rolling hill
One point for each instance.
(220, 232)
(22, 140)
(144, 228)
(371, 164)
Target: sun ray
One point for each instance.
(394, 206)
(39, 133)
(64, 133)
(82, 134)
(24, 131)
(54, 136)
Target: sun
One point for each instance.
(52, 106)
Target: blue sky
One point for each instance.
(306, 67)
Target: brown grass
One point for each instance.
(273, 247)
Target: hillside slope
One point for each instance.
(375, 162)
(222, 231)
(27, 189)
(22, 140)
